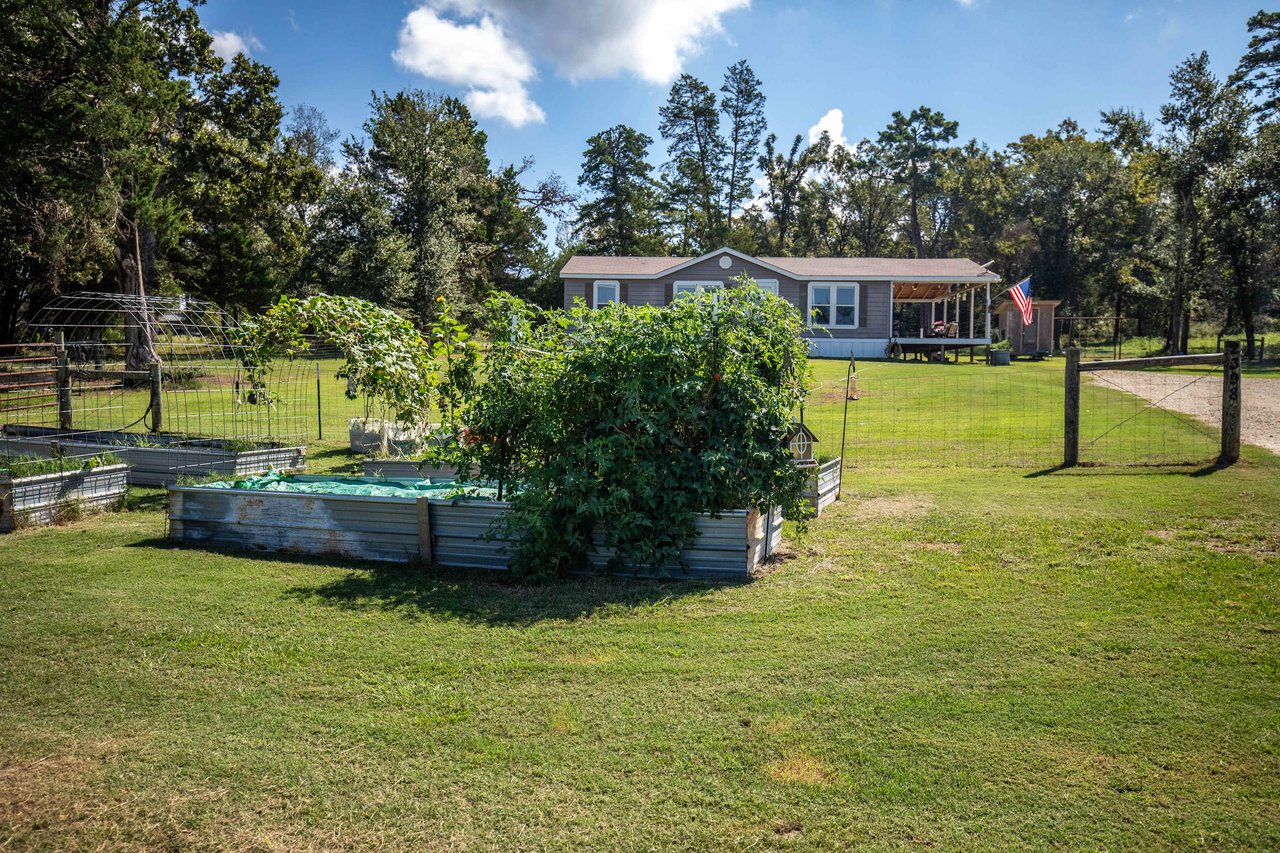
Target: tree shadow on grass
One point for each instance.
(1134, 469)
(480, 596)
(486, 597)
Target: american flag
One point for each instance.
(1020, 293)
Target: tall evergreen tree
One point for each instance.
(742, 103)
(914, 149)
(1259, 69)
(1195, 139)
(620, 218)
(785, 175)
(691, 125)
(426, 155)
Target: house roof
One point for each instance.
(894, 269)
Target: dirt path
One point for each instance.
(1260, 418)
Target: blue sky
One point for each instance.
(545, 74)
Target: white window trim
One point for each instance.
(769, 284)
(857, 304)
(595, 291)
(678, 287)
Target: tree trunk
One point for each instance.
(1179, 272)
(135, 265)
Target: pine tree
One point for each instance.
(914, 148)
(620, 219)
(691, 125)
(1259, 69)
(743, 107)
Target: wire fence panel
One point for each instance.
(159, 380)
(1150, 417)
(921, 415)
(925, 415)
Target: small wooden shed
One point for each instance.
(1033, 339)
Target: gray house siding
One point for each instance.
(576, 289)
(873, 309)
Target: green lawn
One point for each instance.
(952, 657)
(916, 414)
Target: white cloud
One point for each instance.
(478, 56)
(832, 123)
(968, 4)
(226, 44)
(582, 39)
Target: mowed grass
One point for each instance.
(917, 414)
(952, 657)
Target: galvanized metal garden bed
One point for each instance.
(464, 532)
(822, 485)
(399, 468)
(43, 498)
(157, 460)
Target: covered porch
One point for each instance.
(937, 317)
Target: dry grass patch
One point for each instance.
(801, 769)
(908, 507)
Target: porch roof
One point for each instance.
(934, 291)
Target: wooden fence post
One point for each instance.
(64, 384)
(424, 531)
(157, 399)
(1071, 410)
(1230, 403)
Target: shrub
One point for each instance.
(626, 421)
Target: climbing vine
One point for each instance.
(385, 356)
(620, 424)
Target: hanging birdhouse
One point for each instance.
(803, 443)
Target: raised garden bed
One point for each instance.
(412, 468)
(41, 498)
(378, 435)
(823, 484)
(424, 524)
(159, 460)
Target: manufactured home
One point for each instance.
(867, 307)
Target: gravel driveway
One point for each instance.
(1260, 418)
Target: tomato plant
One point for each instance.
(621, 423)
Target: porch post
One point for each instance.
(988, 311)
(972, 294)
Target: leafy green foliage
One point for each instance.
(620, 219)
(622, 423)
(387, 358)
(16, 467)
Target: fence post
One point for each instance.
(64, 384)
(157, 399)
(319, 406)
(1230, 403)
(1071, 410)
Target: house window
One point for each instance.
(684, 288)
(769, 284)
(604, 292)
(833, 304)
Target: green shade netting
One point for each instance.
(380, 487)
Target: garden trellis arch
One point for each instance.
(163, 373)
